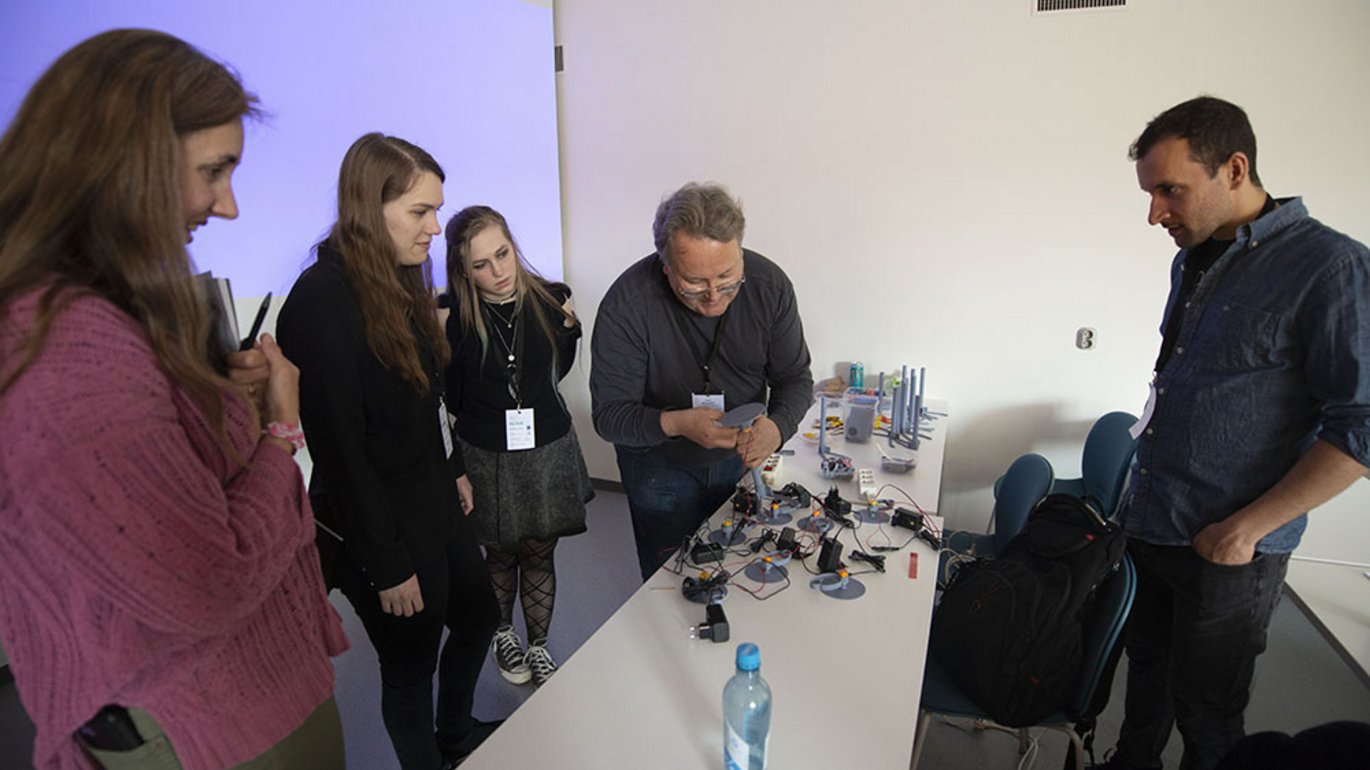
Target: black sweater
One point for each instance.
(478, 386)
(381, 478)
(646, 357)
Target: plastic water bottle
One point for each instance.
(746, 713)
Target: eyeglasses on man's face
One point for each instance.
(726, 290)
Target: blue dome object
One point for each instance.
(748, 657)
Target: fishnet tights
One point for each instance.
(528, 572)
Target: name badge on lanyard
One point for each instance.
(1136, 430)
(707, 400)
(518, 429)
(445, 428)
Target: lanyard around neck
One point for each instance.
(513, 366)
(704, 362)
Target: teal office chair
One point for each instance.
(1102, 632)
(1026, 481)
(1104, 463)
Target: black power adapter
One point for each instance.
(830, 557)
(907, 519)
(786, 542)
(715, 625)
(703, 553)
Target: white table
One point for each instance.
(845, 675)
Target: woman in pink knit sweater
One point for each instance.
(162, 603)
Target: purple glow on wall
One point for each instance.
(470, 81)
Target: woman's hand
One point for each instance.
(466, 493)
(249, 370)
(405, 599)
(570, 309)
(282, 392)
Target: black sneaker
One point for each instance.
(508, 652)
(540, 663)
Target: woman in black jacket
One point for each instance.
(513, 338)
(361, 326)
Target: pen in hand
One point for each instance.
(251, 338)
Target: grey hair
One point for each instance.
(698, 210)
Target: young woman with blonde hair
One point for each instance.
(513, 338)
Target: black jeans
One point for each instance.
(456, 595)
(669, 501)
(1195, 631)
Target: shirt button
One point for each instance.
(1150, 431)
(1255, 243)
(1142, 471)
(1179, 350)
(1186, 304)
(1160, 391)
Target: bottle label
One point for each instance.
(737, 755)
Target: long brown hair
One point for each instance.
(394, 298)
(90, 195)
(461, 287)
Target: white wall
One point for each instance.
(947, 183)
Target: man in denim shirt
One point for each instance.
(1260, 410)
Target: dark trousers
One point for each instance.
(1195, 631)
(456, 596)
(669, 501)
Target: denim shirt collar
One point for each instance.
(1287, 212)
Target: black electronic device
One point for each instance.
(745, 502)
(795, 492)
(706, 588)
(715, 625)
(111, 729)
(907, 519)
(835, 506)
(830, 556)
(703, 553)
(786, 541)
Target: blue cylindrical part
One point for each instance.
(857, 375)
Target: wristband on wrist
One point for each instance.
(286, 431)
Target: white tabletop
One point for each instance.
(845, 674)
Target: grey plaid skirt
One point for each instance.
(535, 494)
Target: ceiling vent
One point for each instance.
(1058, 6)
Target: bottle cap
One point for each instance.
(748, 657)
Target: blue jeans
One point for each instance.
(1192, 641)
(669, 501)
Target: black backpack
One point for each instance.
(1008, 628)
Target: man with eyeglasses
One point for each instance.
(693, 329)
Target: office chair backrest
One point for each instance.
(1107, 455)
(1102, 636)
(1027, 480)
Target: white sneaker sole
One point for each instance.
(522, 675)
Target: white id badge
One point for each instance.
(707, 400)
(518, 429)
(1140, 425)
(445, 428)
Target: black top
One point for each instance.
(480, 389)
(649, 353)
(381, 478)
